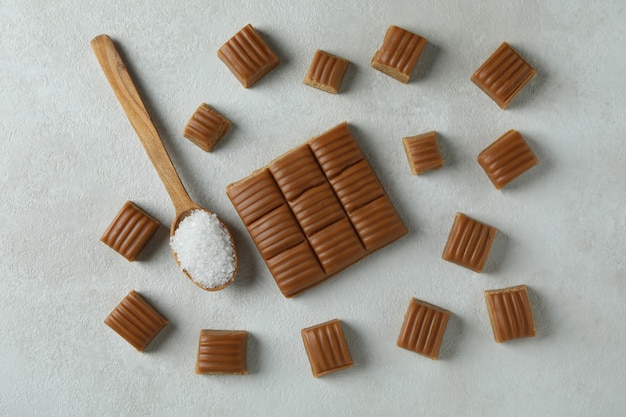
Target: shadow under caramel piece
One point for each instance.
(206, 127)
(423, 328)
(507, 158)
(326, 348)
(510, 313)
(469, 242)
(136, 321)
(222, 352)
(130, 231)
(400, 51)
(423, 152)
(326, 72)
(503, 75)
(247, 56)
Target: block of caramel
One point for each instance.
(206, 127)
(130, 231)
(469, 242)
(136, 321)
(326, 348)
(400, 51)
(507, 158)
(316, 210)
(222, 352)
(423, 152)
(247, 56)
(503, 75)
(326, 72)
(510, 313)
(423, 328)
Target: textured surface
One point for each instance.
(69, 166)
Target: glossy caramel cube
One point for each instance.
(510, 313)
(400, 51)
(423, 328)
(507, 158)
(206, 127)
(326, 347)
(326, 72)
(469, 242)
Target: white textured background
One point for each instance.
(70, 159)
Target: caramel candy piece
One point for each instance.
(247, 56)
(507, 158)
(469, 242)
(503, 75)
(423, 152)
(326, 347)
(222, 352)
(399, 53)
(296, 269)
(206, 127)
(326, 72)
(130, 231)
(136, 321)
(510, 313)
(423, 328)
(255, 196)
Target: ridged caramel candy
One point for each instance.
(469, 242)
(326, 72)
(206, 127)
(510, 313)
(400, 51)
(507, 158)
(222, 352)
(423, 152)
(423, 328)
(326, 348)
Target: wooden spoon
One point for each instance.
(124, 88)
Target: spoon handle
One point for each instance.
(124, 88)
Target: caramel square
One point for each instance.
(206, 127)
(423, 328)
(222, 352)
(400, 51)
(510, 313)
(326, 72)
(469, 242)
(423, 152)
(507, 158)
(326, 347)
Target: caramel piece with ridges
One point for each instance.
(247, 56)
(377, 223)
(222, 352)
(507, 158)
(136, 321)
(255, 196)
(326, 72)
(469, 242)
(510, 313)
(357, 185)
(206, 127)
(423, 152)
(400, 51)
(337, 246)
(326, 348)
(296, 269)
(276, 232)
(130, 231)
(503, 75)
(423, 328)
(335, 150)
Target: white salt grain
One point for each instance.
(204, 250)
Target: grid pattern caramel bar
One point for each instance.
(130, 231)
(469, 242)
(510, 313)
(247, 56)
(222, 352)
(326, 72)
(423, 328)
(507, 158)
(503, 75)
(206, 127)
(136, 321)
(423, 152)
(316, 210)
(326, 348)
(400, 51)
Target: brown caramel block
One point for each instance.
(276, 232)
(423, 328)
(357, 185)
(255, 196)
(136, 321)
(469, 242)
(510, 313)
(326, 347)
(337, 246)
(206, 127)
(326, 72)
(423, 152)
(335, 150)
(507, 158)
(296, 269)
(247, 56)
(377, 223)
(400, 51)
(222, 352)
(130, 231)
(503, 75)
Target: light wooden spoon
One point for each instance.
(124, 88)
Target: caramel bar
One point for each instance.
(222, 352)
(206, 127)
(507, 158)
(326, 348)
(423, 152)
(423, 328)
(247, 56)
(316, 210)
(136, 321)
(130, 231)
(469, 242)
(400, 51)
(503, 75)
(326, 72)
(510, 313)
